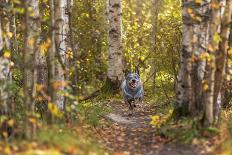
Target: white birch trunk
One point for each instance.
(221, 57)
(184, 77)
(115, 64)
(1, 37)
(5, 74)
(30, 54)
(208, 94)
(200, 42)
(62, 32)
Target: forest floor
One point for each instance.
(133, 135)
(115, 134)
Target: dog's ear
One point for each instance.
(126, 72)
(137, 70)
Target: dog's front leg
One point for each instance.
(130, 108)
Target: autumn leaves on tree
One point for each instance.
(61, 54)
(203, 58)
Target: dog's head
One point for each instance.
(132, 79)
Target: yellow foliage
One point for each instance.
(5, 134)
(215, 5)
(69, 53)
(198, 1)
(158, 121)
(59, 84)
(189, 10)
(31, 41)
(54, 110)
(45, 46)
(11, 122)
(7, 150)
(7, 54)
(39, 87)
(230, 52)
(210, 48)
(204, 56)
(32, 120)
(9, 34)
(205, 87)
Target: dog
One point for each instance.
(132, 89)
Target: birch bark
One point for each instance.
(221, 56)
(31, 50)
(208, 94)
(184, 87)
(115, 64)
(61, 40)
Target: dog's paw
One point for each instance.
(130, 113)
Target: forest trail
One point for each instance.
(133, 135)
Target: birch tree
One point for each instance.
(205, 43)
(1, 37)
(115, 64)
(184, 78)
(221, 57)
(61, 41)
(5, 63)
(31, 49)
(3, 74)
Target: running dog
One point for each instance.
(132, 89)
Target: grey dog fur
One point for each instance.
(132, 95)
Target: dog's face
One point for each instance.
(132, 79)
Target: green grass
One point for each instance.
(68, 139)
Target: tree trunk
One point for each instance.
(1, 37)
(62, 30)
(32, 33)
(200, 42)
(51, 60)
(221, 56)
(208, 93)
(184, 87)
(115, 64)
(4, 76)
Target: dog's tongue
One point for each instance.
(133, 85)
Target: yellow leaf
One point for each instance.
(69, 53)
(32, 120)
(230, 51)
(189, 10)
(204, 55)
(5, 134)
(7, 150)
(215, 5)
(7, 54)
(205, 87)
(11, 122)
(54, 109)
(9, 34)
(31, 41)
(198, 1)
(142, 58)
(210, 48)
(45, 46)
(39, 87)
(59, 84)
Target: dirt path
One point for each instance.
(132, 135)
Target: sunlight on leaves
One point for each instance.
(54, 110)
(7, 54)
